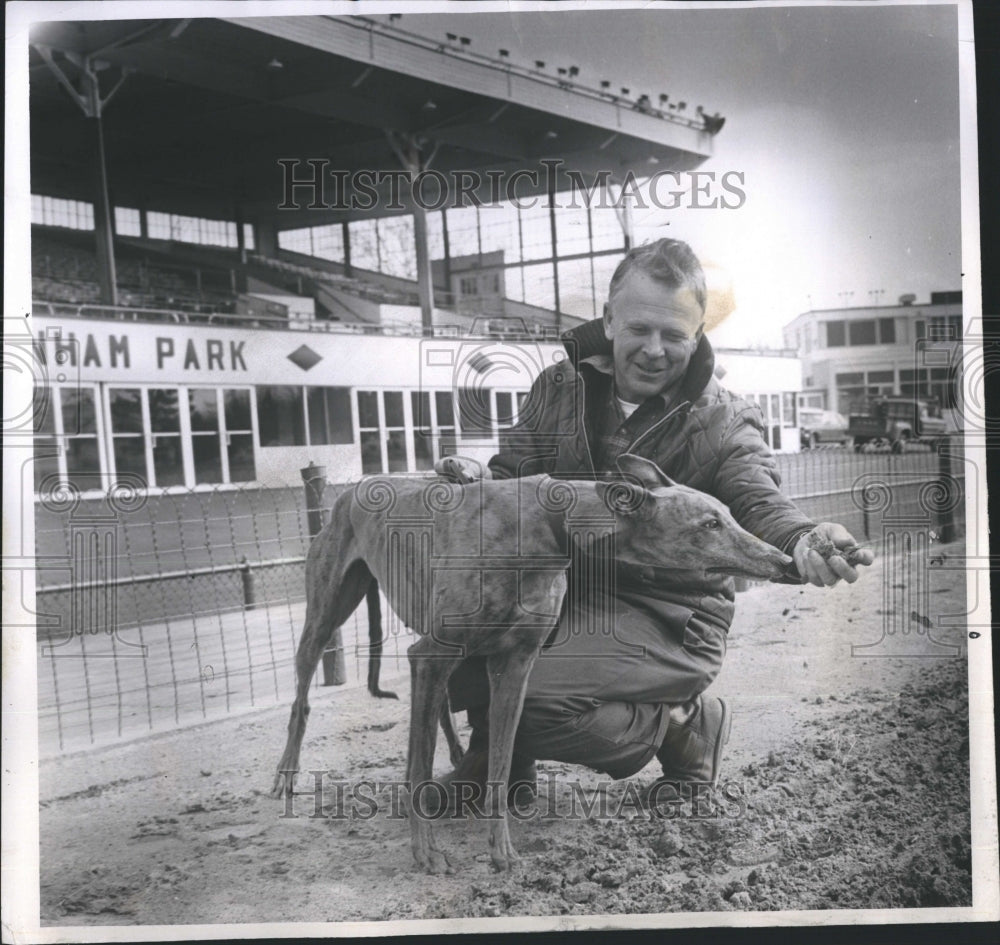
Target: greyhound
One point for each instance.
(480, 569)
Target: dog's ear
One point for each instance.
(622, 498)
(646, 473)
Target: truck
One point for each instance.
(897, 421)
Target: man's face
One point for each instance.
(653, 331)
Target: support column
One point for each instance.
(425, 283)
(103, 228)
(346, 233)
(88, 99)
(555, 254)
(411, 156)
(266, 238)
(447, 257)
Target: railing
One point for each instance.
(194, 605)
(225, 319)
(505, 66)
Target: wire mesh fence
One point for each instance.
(162, 609)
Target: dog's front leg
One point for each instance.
(429, 671)
(508, 674)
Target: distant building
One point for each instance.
(848, 354)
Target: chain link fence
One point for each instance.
(162, 609)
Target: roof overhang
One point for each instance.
(208, 107)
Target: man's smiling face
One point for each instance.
(653, 330)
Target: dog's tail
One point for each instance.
(374, 602)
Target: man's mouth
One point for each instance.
(649, 370)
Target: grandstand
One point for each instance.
(210, 328)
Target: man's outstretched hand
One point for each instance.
(461, 469)
(829, 554)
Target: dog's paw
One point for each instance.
(435, 863)
(284, 783)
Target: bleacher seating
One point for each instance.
(64, 270)
(372, 291)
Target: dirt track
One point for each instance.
(846, 786)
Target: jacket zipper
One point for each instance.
(659, 423)
(638, 439)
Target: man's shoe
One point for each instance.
(465, 787)
(696, 736)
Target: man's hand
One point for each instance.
(820, 555)
(461, 469)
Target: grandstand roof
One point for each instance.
(209, 106)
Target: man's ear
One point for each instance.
(647, 473)
(607, 321)
(700, 331)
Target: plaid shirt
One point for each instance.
(609, 431)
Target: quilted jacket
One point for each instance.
(708, 439)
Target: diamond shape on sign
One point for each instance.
(304, 357)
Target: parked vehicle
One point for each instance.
(817, 427)
(897, 422)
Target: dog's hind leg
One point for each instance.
(455, 750)
(429, 672)
(374, 603)
(327, 608)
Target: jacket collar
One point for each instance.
(587, 344)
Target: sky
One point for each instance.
(843, 119)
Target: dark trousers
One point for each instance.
(601, 690)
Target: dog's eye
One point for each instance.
(712, 523)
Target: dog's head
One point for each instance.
(663, 524)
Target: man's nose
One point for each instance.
(653, 347)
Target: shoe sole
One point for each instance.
(725, 729)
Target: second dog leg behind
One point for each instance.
(455, 750)
(327, 608)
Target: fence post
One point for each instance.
(249, 591)
(946, 517)
(314, 477)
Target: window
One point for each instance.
(46, 446)
(280, 417)
(383, 431)
(945, 328)
(887, 331)
(127, 428)
(423, 431)
(239, 435)
(861, 332)
(329, 411)
(79, 421)
(395, 425)
(505, 409)
(67, 443)
(53, 211)
(165, 429)
(127, 222)
(182, 436)
(835, 335)
(201, 230)
(475, 412)
(788, 411)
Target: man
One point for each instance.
(640, 381)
